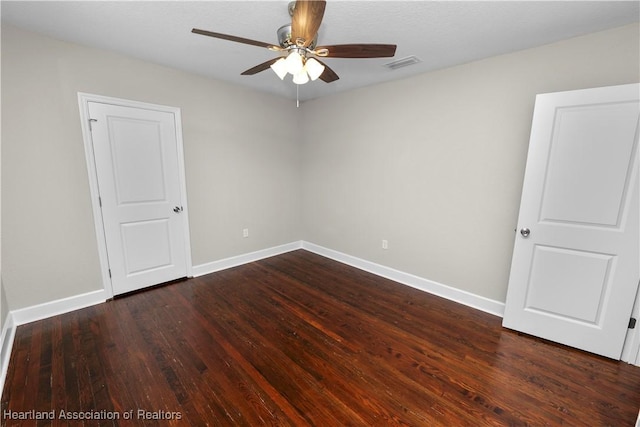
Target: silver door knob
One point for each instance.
(177, 209)
(525, 232)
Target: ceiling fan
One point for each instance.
(297, 45)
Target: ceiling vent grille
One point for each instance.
(403, 62)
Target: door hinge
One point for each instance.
(100, 201)
(632, 323)
(92, 120)
(109, 273)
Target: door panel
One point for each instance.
(138, 177)
(133, 183)
(587, 175)
(574, 277)
(146, 245)
(558, 274)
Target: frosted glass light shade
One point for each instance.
(294, 63)
(301, 77)
(301, 68)
(314, 68)
(280, 68)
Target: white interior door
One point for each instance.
(137, 168)
(575, 266)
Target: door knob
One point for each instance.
(525, 232)
(177, 209)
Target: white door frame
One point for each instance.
(83, 103)
(631, 348)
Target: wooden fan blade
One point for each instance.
(328, 75)
(259, 67)
(362, 50)
(236, 39)
(306, 20)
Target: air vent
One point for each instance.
(404, 62)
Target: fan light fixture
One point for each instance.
(298, 49)
(302, 69)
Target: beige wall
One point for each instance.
(434, 163)
(242, 167)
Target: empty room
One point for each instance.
(420, 213)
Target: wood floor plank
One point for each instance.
(301, 340)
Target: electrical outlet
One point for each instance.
(245, 232)
(385, 244)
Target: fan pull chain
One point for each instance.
(297, 96)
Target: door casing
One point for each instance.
(83, 103)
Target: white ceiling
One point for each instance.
(440, 33)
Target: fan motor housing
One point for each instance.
(284, 37)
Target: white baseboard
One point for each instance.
(65, 305)
(223, 264)
(463, 297)
(453, 294)
(6, 344)
(61, 306)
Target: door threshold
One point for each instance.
(149, 288)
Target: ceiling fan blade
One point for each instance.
(328, 75)
(306, 20)
(236, 39)
(362, 50)
(259, 67)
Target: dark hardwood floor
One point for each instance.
(301, 340)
